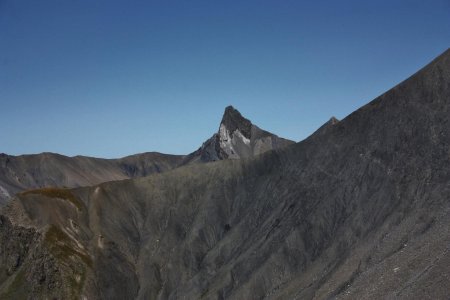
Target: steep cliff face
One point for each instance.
(237, 138)
(359, 210)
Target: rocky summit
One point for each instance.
(236, 138)
(359, 210)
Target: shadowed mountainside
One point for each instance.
(359, 210)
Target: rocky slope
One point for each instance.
(357, 211)
(237, 138)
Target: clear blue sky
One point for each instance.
(111, 78)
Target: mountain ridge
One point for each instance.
(19, 173)
(47, 169)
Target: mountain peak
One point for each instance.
(233, 120)
(326, 126)
(236, 138)
(333, 120)
(230, 109)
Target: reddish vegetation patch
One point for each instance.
(57, 193)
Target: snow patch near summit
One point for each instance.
(228, 141)
(225, 142)
(242, 137)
